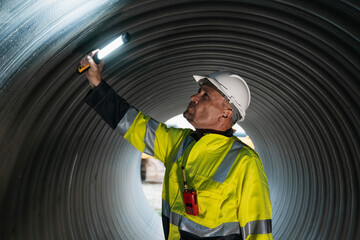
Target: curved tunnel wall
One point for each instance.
(66, 175)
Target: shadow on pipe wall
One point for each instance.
(64, 174)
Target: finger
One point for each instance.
(90, 61)
(94, 52)
(84, 61)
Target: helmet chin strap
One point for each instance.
(236, 115)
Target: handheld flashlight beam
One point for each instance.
(123, 39)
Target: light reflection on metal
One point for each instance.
(302, 64)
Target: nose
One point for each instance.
(195, 98)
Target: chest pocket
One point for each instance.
(211, 197)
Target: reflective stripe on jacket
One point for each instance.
(232, 188)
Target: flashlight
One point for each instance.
(123, 39)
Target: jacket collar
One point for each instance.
(199, 133)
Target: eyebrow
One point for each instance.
(203, 89)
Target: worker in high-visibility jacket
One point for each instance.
(232, 194)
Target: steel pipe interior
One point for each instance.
(64, 174)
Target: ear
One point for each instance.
(227, 113)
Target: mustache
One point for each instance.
(191, 104)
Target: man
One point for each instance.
(232, 194)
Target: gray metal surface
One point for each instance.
(65, 175)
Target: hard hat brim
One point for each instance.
(198, 78)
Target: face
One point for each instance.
(206, 108)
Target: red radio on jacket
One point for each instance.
(190, 202)
(190, 198)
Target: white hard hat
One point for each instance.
(233, 88)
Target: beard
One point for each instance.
(188, 115)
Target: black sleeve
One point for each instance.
(105, 101)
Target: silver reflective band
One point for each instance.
(256, 227)
(165, 208)
(125, 123)
(227, 162)
(149, 139)
(187, 225)
(183, 145)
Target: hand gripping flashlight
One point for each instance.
(123, 39)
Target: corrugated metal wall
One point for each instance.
(65, 175)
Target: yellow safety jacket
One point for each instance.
(232, 188)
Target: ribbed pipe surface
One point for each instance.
(64, 174)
